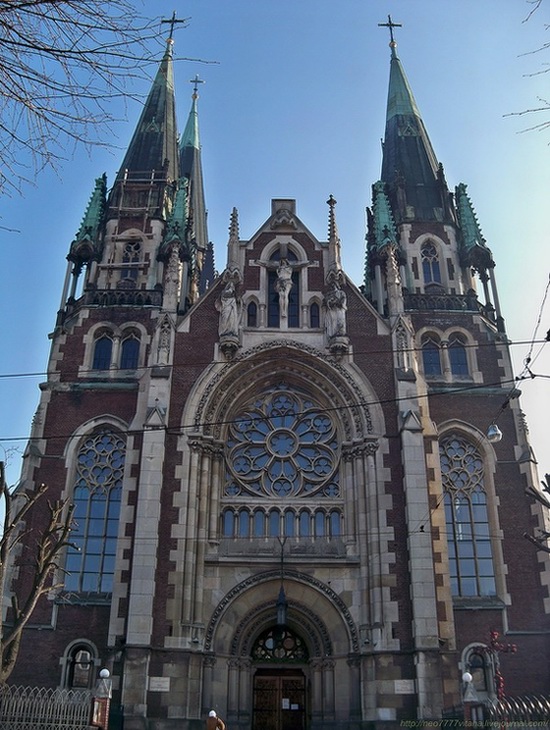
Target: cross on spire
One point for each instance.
(391, 25)
(173, 20)
(196, 81)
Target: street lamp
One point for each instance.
(469, 698)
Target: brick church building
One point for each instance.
(292, 501)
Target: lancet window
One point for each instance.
(129, 353)
(431, 356)
(103, 349)
(430, 263)
(131, 255)
(458, 357)
(90, 561)
(466, 515)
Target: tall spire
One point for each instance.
(154, 144)
(191, 170)
(409, 165)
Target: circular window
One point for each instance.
(283, 445)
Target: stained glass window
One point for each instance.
(102, 353)
(97, 494)
(431, 357)
(467, 520)
(283, 446)
(129, 356)
(430, 264)
(280, 644)
(457, 356)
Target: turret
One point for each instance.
(434, 240)
(144, 183)
(191, 170)
(144, 243)
(410, 170)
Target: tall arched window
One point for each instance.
(81, 673)
(79, 666)
(129, 354)
(130, 258)
(458, 357)
(103, 349)
(431, 356)
(466, 516)
(90, 561)
(430, 264)
(314, 316)
(479, 668)
(252, 315)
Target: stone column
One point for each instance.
(209, 662)
(328, 690)
(233, 689)
(245, 696)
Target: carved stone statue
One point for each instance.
(229, 311)
(165, 336)
(335, 320)
(283, 284)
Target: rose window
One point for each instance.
(283, 445)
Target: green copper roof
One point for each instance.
(409, 164)
(384, 225)
(177, 222)
(190, 136)
(154, 143)
(92, 220)
(400, 96)
(473, 242)
(190, 164)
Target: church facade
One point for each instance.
(286, 503)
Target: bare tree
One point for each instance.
(62, 63)
(543, 105)
(40, 563)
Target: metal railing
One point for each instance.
(38, 708)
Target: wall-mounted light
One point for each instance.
(494, 434)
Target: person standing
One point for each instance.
(213, 722)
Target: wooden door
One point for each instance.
(279, 701)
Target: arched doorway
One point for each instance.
(280, 695)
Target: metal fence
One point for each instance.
(37, 708)
(519, 712)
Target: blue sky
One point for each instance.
(294, 107)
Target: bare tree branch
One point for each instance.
(62, 64)
(40, 564)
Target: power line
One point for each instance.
(198, 363)
(181, 429)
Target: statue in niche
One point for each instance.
(163, 350)
(283, 283)
(336, 304)
(229, 308)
